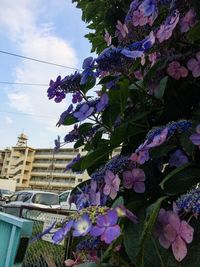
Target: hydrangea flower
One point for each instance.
(176, 70)
(62, 232)
(94, 196)
(76, 159)
(141, 154)
(88, 65)
(112, 183)
(134, 179)
(190, 202)
(107, 38)
(165, 30)
(195, 138)
(194, 65)
(174, 232)
(84, 112)
(103, 102)
(82, 226)
(159, 139)
(106, 227)
(188, 21)
(122, 28)
(76, 97)
(178, 158)
(123, 212)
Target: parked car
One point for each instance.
(5, 194)
(64, 200)
(32, 198)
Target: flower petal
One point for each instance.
(164, 242)
(139, 187)
(169, 233)
(179, 249)
(186, 232)
(97, 231)
(111, 234)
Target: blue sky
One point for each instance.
(48, 30)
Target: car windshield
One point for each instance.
(46, 199)
(63, 197)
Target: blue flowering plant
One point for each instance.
(140, 134)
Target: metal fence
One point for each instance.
(43, 253)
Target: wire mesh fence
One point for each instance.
(43, 253)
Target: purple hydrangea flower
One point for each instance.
(46, 231)
(190, 202)
(159, 139)
(141, 154)
(106, 227)
(84, 112)
(178, 158)
(88, 65)
(148, 7)
(174, 232)
(103, 102)
(134, 179)
(165, 31)
(57, 144)
(94, 196)
(82, 226)
(62, 232)
(194, 65)
(188, 21)
(64, 115)
(112, 183)
(123, 212)
(76, 97)
(76, 159)
(195, 138)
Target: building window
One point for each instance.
(80, 180)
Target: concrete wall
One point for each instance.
(8, 184)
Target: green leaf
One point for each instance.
(85, 127)
(89, 84)
(160, 92)
(150, 220)
(70, 120)
(79, 143)
(118, 201)
(194, 33)
(96, 157)
(181, 179)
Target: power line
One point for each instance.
(29, 84)
(37, 60)
(26, 114)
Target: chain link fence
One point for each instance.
(42, 252)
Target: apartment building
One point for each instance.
(39, 168)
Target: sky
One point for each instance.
(49, 30)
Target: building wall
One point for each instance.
(40, 168)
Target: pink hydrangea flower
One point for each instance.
(177, 71)
(188, 21)
(141, 154)
(134, 179)
(153, 58)
(122, 28)
(139, 19)
(159, 139)
(194, 65)
(174, 232)
(138, 74)
(112, 184)
(107, 38)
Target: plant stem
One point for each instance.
(157, 252)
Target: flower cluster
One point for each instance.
(190, 202)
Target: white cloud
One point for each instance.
(8, 120)
(20, 19)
